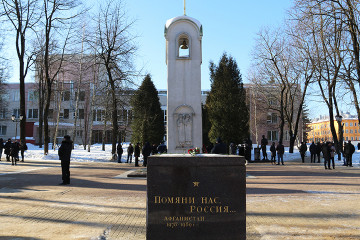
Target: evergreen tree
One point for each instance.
(226, 103)
(148, 118)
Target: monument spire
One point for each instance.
(184, 7)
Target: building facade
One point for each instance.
(320, 129)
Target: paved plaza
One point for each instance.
(295, 201)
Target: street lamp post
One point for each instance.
(16, 120)
(339, 147)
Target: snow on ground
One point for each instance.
(97, 155)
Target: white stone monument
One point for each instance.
(183, 58)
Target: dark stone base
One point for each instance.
(196, 198)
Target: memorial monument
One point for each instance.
(183, 58)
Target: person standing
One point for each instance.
(1, 147)
(332, 154)
(130, 151)
(64, 153)
(318, 151)
(154, 149)
(232, 149)
(273, 153)
(146, 151)
(344, 154)
(358, 145)
(264, 143)
(14, 152)
(313, 152)
(137, 154)
(219, 148)
(7, 147)
(326, 154)
(349, 151)
(23, 148)
(303, 150)
(248, 148)
(120, 151)
(280, 152)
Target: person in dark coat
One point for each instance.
(349, 151)
(273, 153)
(326, 154)
(318, 151)
(232, 149)
(344, 154)
(130, 151)
(313, 152)
(146, 151)
(209, 147)
(14, 152)
(119, 151)
(154, 149)
(7, 147)
(161, 148)
(1, 147)
(248, 148)
(280, 149)
(219, 148)
(303, 150)
(23, 148)
(137, 154)
(64, 153)
(264, 143)
(358, 145)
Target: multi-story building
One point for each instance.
(320, 128)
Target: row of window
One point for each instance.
(346, 124)
(33, 95)
(344, 131)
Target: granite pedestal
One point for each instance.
(196, 197)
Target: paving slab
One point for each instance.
(294, 201)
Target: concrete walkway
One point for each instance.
(295, 201)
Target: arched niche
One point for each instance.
(183, 46)
(183, 117)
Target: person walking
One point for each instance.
(119, 151)
(137, 154)
(349, 151)
(313, 152)
(303, 150)
(130, 151)
(280, 152)
(146, 151)
(23, 148)
(273, 153)
(332, 154)
(318, 151)
(14, 152)
(7, 148)
(64, 153)
(264, 143)
(326, 154)
(1, 147)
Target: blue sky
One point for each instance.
(229, 26)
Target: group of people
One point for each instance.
(11, 150)
(328, 151)
(146, 150)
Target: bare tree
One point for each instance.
(115, 49)
(23, 16)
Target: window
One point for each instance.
(287, 136)
(355, 124)
(62, 132)
(81, 114)
(66, 96)
(16, 95)
(272, 135)
(66, 113)
(98, 115)
(16, 112)
(3, 113)
(184, 48)
(79, 133)
(51, 113)
(346, 124)
(33, 95)
(2, 130)
(355, 131)
(351, 131)
(33, 113)
(347, 131)
(351, 124)
(81, 96)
